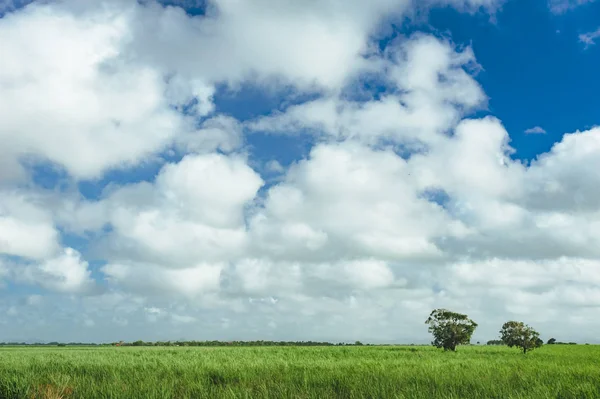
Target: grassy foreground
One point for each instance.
(299, 372)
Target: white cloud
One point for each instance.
(34, 300)
(364, 274)
(264, 278)
(589, 38)
(435, 92)
(212, 188)
(78, 105)
(219, 132)
(542, 274)
(97, 108)
(194, 211)
(402, 205)
(26, 228)
(182, 319)
(65, 273)
(540, 291)
(125, 67)
(155, 280)
(153, 310)
(89, 323)
(564, 179)
(562, 6)
(273, 166)
(355, 219)
(154, 314)
(349, 201)
(308, 44)
(535, 130)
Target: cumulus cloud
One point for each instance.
(344, 202)
(589, 38)
(273, 166)
(34, 300)
(193, 212)
(12, 311)
(435, 91)
(535, 130)
(77, 105)
(182, 319)
(87, 104)
(26, 228)
(318, 43)
(562, 6)
(352, 220)
(562, 179)
(66, 273)
(155, 280)
(405, 201)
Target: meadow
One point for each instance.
(553, 371)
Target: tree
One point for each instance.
(450, 329)
(517, 333)
(551, 341)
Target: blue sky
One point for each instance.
(324, 171)
(535, 71)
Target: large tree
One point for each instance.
(450, 329)
(519, 334)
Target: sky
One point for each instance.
(325, 170)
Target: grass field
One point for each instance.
(299, 372)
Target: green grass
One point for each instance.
(299, 372)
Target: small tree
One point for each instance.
(551, 341)
(517, 333)
(450, 329)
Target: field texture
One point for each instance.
(300, 372)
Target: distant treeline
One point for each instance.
(233, 343)
(189, 343)
(48, 344)
(499, 342)
(563, 343)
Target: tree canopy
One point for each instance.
(450, 329)
(520, 335)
